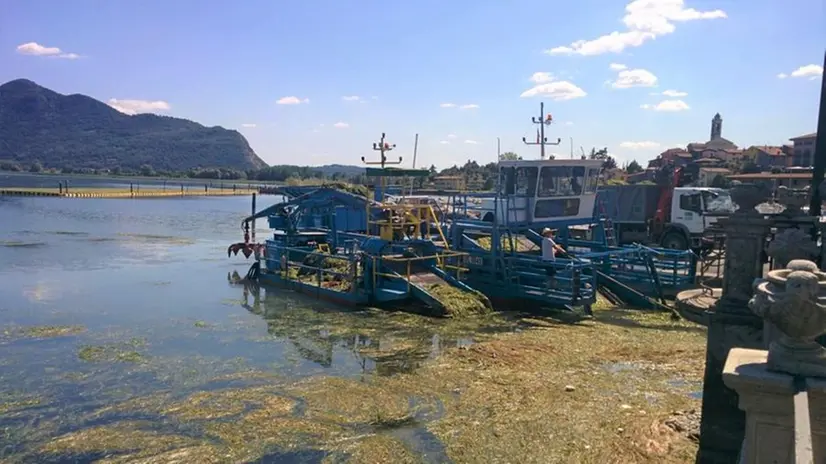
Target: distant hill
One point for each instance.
(330, 169)
(76, 131)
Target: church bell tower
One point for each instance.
(716, 127)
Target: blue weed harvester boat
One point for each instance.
(466, 252)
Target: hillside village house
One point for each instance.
(706, 175)
(803, 150)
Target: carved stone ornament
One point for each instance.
(792, 244)
(747, 196)
(792, 199)
(794, 300)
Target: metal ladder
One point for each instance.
(607, 226)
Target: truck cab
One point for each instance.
(693, 211)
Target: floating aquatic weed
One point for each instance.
(67, 232)
(113, 352)
(351, 402)
(19, 244)
(132, 437)
(158, 238)
(201, 324)
(51, 331)
(377, 448)
(10, 405)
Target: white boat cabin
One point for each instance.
(540, 191)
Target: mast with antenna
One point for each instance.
(384, 148)
(541, 140)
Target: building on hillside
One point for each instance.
(717, 146)
(803, 151)
(449, 183)
(795, 180)
(768, 157)
(706, 175)
(677, 156)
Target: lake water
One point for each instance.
(141, 291)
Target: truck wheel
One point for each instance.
(675, 241)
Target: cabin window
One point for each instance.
(592, 181)
(507, 181)
(558, 181)
(691, 202)
(560, 207)
(526, 181)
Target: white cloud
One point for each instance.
(291, 101)
(628, 78)
(541, 77)
(556, 90)
(444, 142)
(34, 48)
(471, 142)
(812, 71)
(448, 105)
(569, 123)
(644, 20)
(341, 125)
(351, 98)
(617, 67)
(138, 106)
(471, 106)
(374, 97)
(451, 136)
(249, 125)
(674, 93)
(645, 145)
(667, 105)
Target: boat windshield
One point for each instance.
(718, 202)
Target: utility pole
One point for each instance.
(820, 150)
(541, 140)
(384, 148)
(498, 149)
(572, 147)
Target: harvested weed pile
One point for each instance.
(520, 243)
(458, 303)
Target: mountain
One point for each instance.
(331, 169)
(76, 131)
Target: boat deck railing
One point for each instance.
(673, 268)
(283, 259)
(450, 262)
(560, 282)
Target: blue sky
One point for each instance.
(230, 63)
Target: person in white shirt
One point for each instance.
(549, 251)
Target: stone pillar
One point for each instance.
(732, 324)
(783, 390)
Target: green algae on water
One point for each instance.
(113, 352)
(51, 331)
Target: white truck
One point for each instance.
(671, 217)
